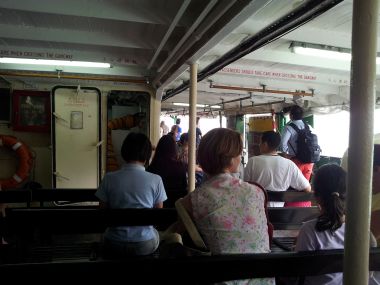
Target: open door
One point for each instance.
(76, 137)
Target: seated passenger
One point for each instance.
(272, 171)
(327, 232)
(166, 163)
(132, 187)
(228, 212)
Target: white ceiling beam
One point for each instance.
(73, 36)
(110, 10)
(248, 11)
(279, 57)
(192, 28)
(173, 24)
(305, 33)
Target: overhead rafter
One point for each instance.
(294, 19)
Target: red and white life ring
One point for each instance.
(25, 161)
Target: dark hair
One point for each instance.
(217, 148)
(272, 139)
(174, 128)
(166, 149)
(178, 121)
(330, 190)
(296, 112)
(136, 147)
(184, 138)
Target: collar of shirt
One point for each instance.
(134, 166)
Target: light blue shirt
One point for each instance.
(131, 187)
(289, 138)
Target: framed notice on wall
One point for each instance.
(76, 120)
(31, 111)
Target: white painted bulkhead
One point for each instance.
(41, 144)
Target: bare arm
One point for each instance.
(159, 205)
(307, 189)
(284, 140)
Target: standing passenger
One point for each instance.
(174, 132)
(289, 147)
(198, 134)
(164, 129)
(273, 172)
(178, 136)
(166, 163)
(228, 212)
(132, 187)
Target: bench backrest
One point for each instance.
(47, 195)
(89, 219)
(84, 219)
(204, 269)
(84, 195)
(290, 196)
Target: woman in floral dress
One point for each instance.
(228, 212)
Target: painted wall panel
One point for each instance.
(75, 137)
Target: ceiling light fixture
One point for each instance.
(54, 62)
(198, 105)
(323, 51)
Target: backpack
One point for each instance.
(308, 150)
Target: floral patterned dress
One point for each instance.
(229, 213)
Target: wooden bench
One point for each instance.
(189, 270)
(290, 195)
(288, 221)
(65, 195)
(92, 219)
(85, 219)
(15, 196)
(88, 195)
(47, 195)
(31, 226)
(81, 220)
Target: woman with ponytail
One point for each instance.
(327, 232)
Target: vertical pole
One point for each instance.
(220, 119)
(360, 153)
(192, 124)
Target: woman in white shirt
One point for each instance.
(327, 232)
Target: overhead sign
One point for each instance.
(269, 73)
(34, 54)
(61, 55)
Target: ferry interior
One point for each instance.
(123, 64)
(253, 57)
